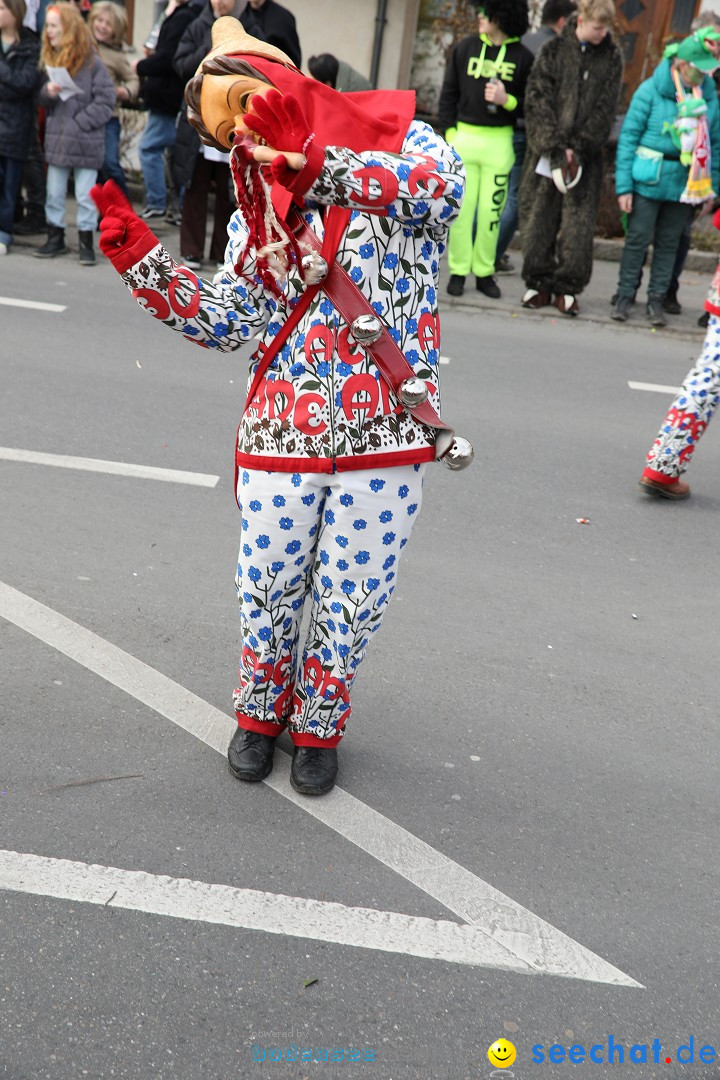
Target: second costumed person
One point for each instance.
(344, 203)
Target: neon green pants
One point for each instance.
(488, 156)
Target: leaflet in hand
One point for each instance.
(62, 78)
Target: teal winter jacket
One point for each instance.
(653, 104)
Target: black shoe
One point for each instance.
(314, 770)
(250, 755)
(671, 304)
(54, 245)
(655, 311)
(456, 285)
(704, 320)
(504, 266)
(30, 225)
(622, 308)
(489, 286)
(86, 251)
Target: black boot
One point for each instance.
(54, 245)
(85, 249)
(30, 224)
(671, 304)
(655, 310)
(250, 755)
(456, 285)
(314, 769)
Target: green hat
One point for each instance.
(693, 52)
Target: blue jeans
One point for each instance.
(111, 167)
(10, 176)
(159, 135)
(509, 220)
(55, 199)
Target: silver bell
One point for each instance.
(314, 268)
(366, 329)
(459, 455)
(413, 392)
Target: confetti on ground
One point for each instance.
(138, 364)
(308, 982)
(583, 521)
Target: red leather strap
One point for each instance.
(350, 302)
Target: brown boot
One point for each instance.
(677, 490)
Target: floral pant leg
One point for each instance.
(689, 414)
(338, 540)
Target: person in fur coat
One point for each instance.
(570, 104)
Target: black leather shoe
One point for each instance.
(456, 285)
(314, 770)
(489, 286)
(250, 755)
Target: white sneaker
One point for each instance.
(4, 248)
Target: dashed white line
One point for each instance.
(654, 388)
(112, 468)
(524, 941)
(35, 305)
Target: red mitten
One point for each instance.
(716, 218)
(279, 120)
(124, 238)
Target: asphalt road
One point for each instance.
(539, 708)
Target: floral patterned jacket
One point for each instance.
(322, 405)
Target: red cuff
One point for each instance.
(127, 257)
(301, 182)
(659, 477)
(264, 727)
(304, 738)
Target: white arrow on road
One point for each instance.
(498, 933)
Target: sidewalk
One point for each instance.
(594, 303)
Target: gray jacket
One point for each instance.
(75, 129)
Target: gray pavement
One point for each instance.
(540, 708)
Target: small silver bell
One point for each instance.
(366, 329)
(459, 455)
(413, 392)
(314, 267)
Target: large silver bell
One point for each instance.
(314, 268)
(459, 455)
(413, 392)
(366, 329)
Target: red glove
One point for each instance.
(279, 120)
(124, 238)
(716, 218)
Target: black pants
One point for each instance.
(194, 213)
(661, 224)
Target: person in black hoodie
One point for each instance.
(161, 89)
(481, 97)
(276, 25)
(19, 79)
(197, 167)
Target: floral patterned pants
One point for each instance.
(689, 414)
(337, 540)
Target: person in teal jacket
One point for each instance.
(665, 167)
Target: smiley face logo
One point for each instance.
(501, 1054)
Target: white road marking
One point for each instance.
(113, 468)
(36, 305)
(515, 933)
(654, 388)
(318, 920)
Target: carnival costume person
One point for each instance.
(691, 411)
(344, 206)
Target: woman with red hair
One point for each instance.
(74, 127)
